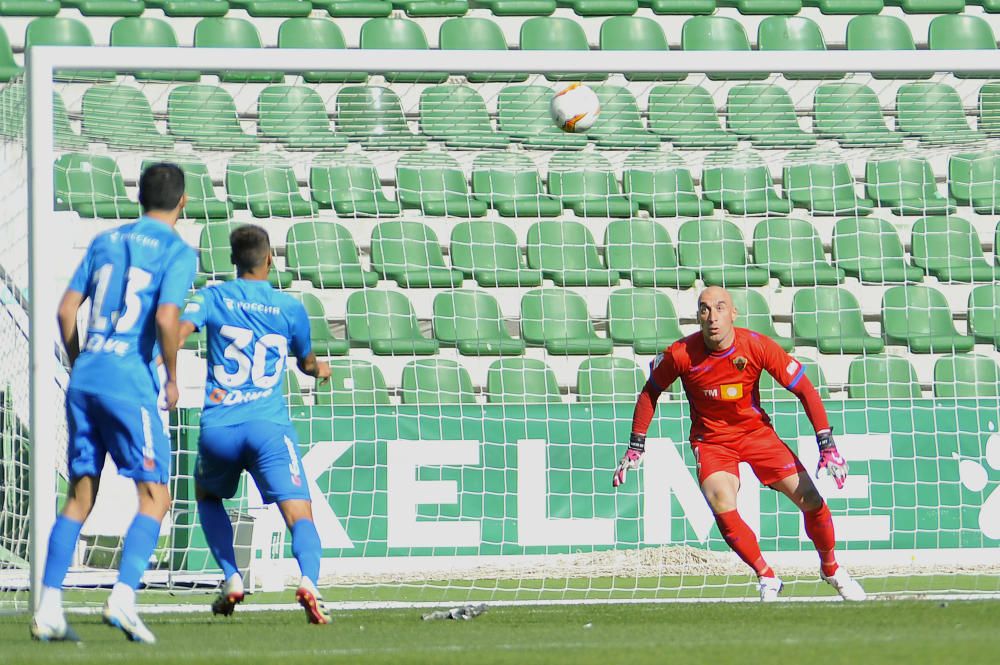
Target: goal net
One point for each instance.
(490, 291)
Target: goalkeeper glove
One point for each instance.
(632, 458)
(830, 458)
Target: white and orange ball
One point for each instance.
(575, 108)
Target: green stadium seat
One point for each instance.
(471, 322)
(273, 8)
(202, 203)
(830, 319)
(143, 31)
(609, 379)
(399, 33)
(928, 6)
(434, 184)
(793, 252)
(385, 322)
(296, 116)
(751, 7)
(882, 33)
(349, 184)
(869, 250)
(565, 252)
(474, 33)
(105, 7)
(601, 7)
(755, 315)
(558, 320)
(882, 377)
(966, 376)
(845, 6)
(186, 8)
(509, 182)
(960, 32)
(324, 344)
(919, 318)
(642, 318)
(120, 117)
(661, 184)
(679, 7)
(267, 186)
(292, 389)
(984, 314)
(215, 256)
(851, 114)
(324, 253)
(354, 8)
(318, 34)
(771, 391)
(8, 67)
(715, 248)
(92, 186)
(64, 31)
(743, 190)
(436, 381)
(949, 249)
(619, 126)
(410, 254)
(521, 381)
(636, 33)
(989, 109)
(764, 115)
(225, 32)
(933, 112)
(488, 253)
(717, 33)
(373, 116)
(686, 115)
(523, 112)
(642, 252)
(907, 186)
(974, 180)
(549, 33)
(793, 33)
(29, 7)
(352, 383)
(430, 8)
(13, 106)
(205, 115)
(586, 183)
(457, 115)
(824, 189)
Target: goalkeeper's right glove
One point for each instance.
(631, 459)
(830, 458)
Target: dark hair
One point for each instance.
(250, 247)
(161, 187)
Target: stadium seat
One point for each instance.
(324, 344)
(457, 115)
(29, 7)
(550, 33)
(471, 321)
(793, 252)
(661, 184)
(521, 381)
(601, 7)
(609, 379)
(679, 7)
(793, 33)
(966, 376)
(296, 116)
(143, 31)
(324, 253)
(685, 114)
(488, 253)
(751, 7)
(715, 248)
(928, 6)
(755, 315)
(474, 33)
(565, 252)
(352, 383)
(989, 109)
(120, 117)
(431, 8)
(824, 189)
(434, 184)
(984, 314)
(851, 114)
(764, 115)
(385, 322)
(64, 31)
(586, 183)
(186, 8)
(349, 184)
(879, 33)
(919, 318)
(373, 116)
(829, 318)
(770, 390)
(8, 67)
(882, 377)
(743, 190)
(354, 8)
(205, 115)
(225, 32)
(13, 107)
(642, 318)
(960, 32)
(870, 250)
(524, 115)
(273, 8)
(642, 252)
(558, 320)
(933, 112)
(293, 390)
(619, 126)
(215, 256)
(436, 381)
(974, 180)
(266, 185)
(202, 202)
(949, 249)
(717, 33)
(907, 186)
(92, 186)
(318, 34)
(518, 7)
(410, 254)
(636, 33)
(509, 182)
(105, 7)
(845, 6)
(399, 33)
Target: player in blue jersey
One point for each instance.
(251, 329)
(136, 278)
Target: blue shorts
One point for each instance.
(269, 451)
(132, 433)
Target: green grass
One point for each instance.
(898, 632)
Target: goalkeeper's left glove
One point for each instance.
(830, 458)
(631, 459)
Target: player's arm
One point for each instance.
(317, 369)
(173, 292)
(186, 330)
(301, 340)
(69, 309)
(194, 317)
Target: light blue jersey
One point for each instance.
(251, 329)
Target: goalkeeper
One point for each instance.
(720, 368)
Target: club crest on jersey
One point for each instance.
(740, 363)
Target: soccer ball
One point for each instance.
(575, 108)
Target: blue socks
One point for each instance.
(140, 541)
(307, 548)
(62, 543)
(219, 534)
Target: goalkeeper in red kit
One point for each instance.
(720, 368)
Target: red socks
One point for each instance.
(741, 538)
(819, 528)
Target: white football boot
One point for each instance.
(310, 599)
(51, 626)
(230, 595)
(769, 588)
(846, 586)
(121, 614)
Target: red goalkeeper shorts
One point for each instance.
(769, 457)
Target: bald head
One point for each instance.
(717, 316)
